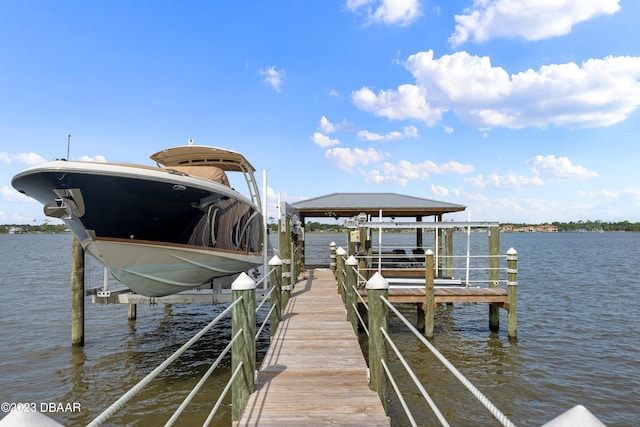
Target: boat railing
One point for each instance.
(243, 319)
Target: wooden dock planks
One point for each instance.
(314, 373)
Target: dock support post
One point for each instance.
(449, 252)
(377, 287)
(284, 246)
(332, 257)
(243, 320)
(132, 312)
(494, 275)
(77, 293)
(512, 286)
(340, 276)
(429, 297)
(350, 299)
(276, 295)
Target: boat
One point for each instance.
(159, 229)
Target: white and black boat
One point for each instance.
(160, 230)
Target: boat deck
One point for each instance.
(314, 372)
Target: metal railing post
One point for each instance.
(243, 318)
(377, 287)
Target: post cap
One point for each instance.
(332, 244)
(341, 251)
(512, 251)
(377, 282)
(275, 260)
(243, 283)
(351, 261)
(429, 252)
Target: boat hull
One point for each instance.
(159, 232)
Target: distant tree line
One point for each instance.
(317, 227)
(597, 226)
(42, 228)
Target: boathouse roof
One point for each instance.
(392, 205)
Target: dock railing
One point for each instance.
(374, 324)
(242, 346)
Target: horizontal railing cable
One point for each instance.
(403, 402)
(142, 383)
(415, 379)
(264, 323)
(265, 298)
(474, 391)
(222, 395)
(204, 378)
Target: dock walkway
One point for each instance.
(314, 372)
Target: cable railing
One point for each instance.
(379, 339)
(243, 323)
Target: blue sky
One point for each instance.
(521, 111)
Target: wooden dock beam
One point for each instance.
(494, 275)
(77, 293)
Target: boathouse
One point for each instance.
(392, 205)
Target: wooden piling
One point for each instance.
(512, 287)
(77, 293)
(332, 257)
(276, 295)
(449, 252)
(429, 295)
(494, 275)
(377, 287)
(340, 277)
(350, 293)
(132, 312)
(243, 318)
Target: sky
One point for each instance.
(522, 111)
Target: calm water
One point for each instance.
(578, 330)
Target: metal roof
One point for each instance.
(392, 204)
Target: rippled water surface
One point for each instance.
(578, 330)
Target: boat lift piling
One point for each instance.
(77, 293)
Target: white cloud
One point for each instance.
(99, 158)
(346, 159)
(439, 190)
(322, 140)
(408, 102)
(510, 181)
(552, 167)
(407, 132)
(599, 92)
(8, 194)
(404, 171)
(447, 129)
(530, 20)
(273, 77)
(23, 158)
(389, 12)
(326, 126)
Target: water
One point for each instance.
(578, 329)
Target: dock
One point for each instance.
(314, 372)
